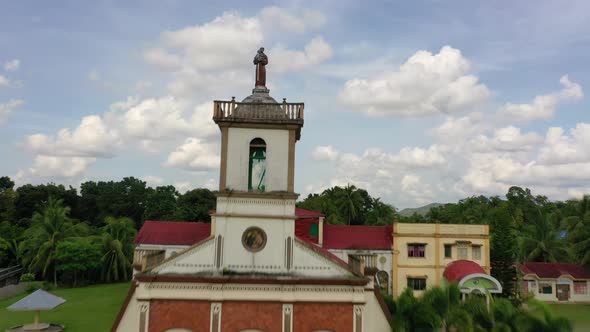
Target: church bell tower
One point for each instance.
(254, 220)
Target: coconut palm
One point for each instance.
(117, 246)
(349, 201)
(578, 231)
(50, 227)
(540, 242)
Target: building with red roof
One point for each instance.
(556, 282)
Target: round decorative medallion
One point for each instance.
(254, 239)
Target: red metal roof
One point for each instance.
(303, 213)
(172, 232)
(358, 237)
(457, 270)
(555, 270)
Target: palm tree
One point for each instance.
(349, 201)
(50, 227)
(117, 246)
(578, 230)
(540, 242)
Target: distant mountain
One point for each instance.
(419, 210)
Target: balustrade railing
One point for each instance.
(227, 109)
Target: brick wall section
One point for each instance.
(167, 314)
(322, 316)
(265, 316)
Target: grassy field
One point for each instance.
(579, 314)
(88, 309)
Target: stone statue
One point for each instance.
(261, 60)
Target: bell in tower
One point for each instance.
(258, 137)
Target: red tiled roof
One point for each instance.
(172, 232)
(555, 270)
(358, 237)
(457, 270)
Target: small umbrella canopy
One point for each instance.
(38, 300)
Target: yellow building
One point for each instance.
(422, 251)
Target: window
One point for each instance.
(416, 250)
(580, 287)
(545, 288)
(448, 250)
(476, 252)
(462, 252)
(314, 230)
(417, 283)
(257, 165)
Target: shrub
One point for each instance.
(27, 277)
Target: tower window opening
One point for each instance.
(257, 165)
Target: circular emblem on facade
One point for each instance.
(254, 239)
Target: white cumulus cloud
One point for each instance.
(7, 108)
(12, 65)
(325, 153)
(425, 84)
(194, 155)
(542, 106)
(273, 17)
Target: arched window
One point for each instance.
(257, 165)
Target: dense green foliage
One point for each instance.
(60, 235)
(350, 205)
(441, 309)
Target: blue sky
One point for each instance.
(417, 101)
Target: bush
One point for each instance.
(27, 277)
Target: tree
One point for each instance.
(578, 230)
(7, 200)
(160, 203)
(503, 249)
(540, 242)
(10, 238)
(349, 200)
(414, 315)
(77, 257)
(33, 197)
(117, 248)
(380, 213)
(50, 227)
(194, 205)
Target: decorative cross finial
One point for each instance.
(260, 60)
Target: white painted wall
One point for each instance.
(256, 206)
(271, 259)
(387, 255)
(130, 320)
(375, 319)
(277, 157)
(197, 259)
(553, 296)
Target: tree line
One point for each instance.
(60, 234)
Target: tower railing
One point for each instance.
(223, 109)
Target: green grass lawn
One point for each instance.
(88, 309)
(579, 314)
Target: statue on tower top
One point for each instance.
(261, 60)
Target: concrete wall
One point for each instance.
(434, 237)
(578, 298)
(277, 157)
(13, 290)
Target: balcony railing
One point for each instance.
(286, 111)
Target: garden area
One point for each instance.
(88, 309)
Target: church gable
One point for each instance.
(313, 261)
(195, 259)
